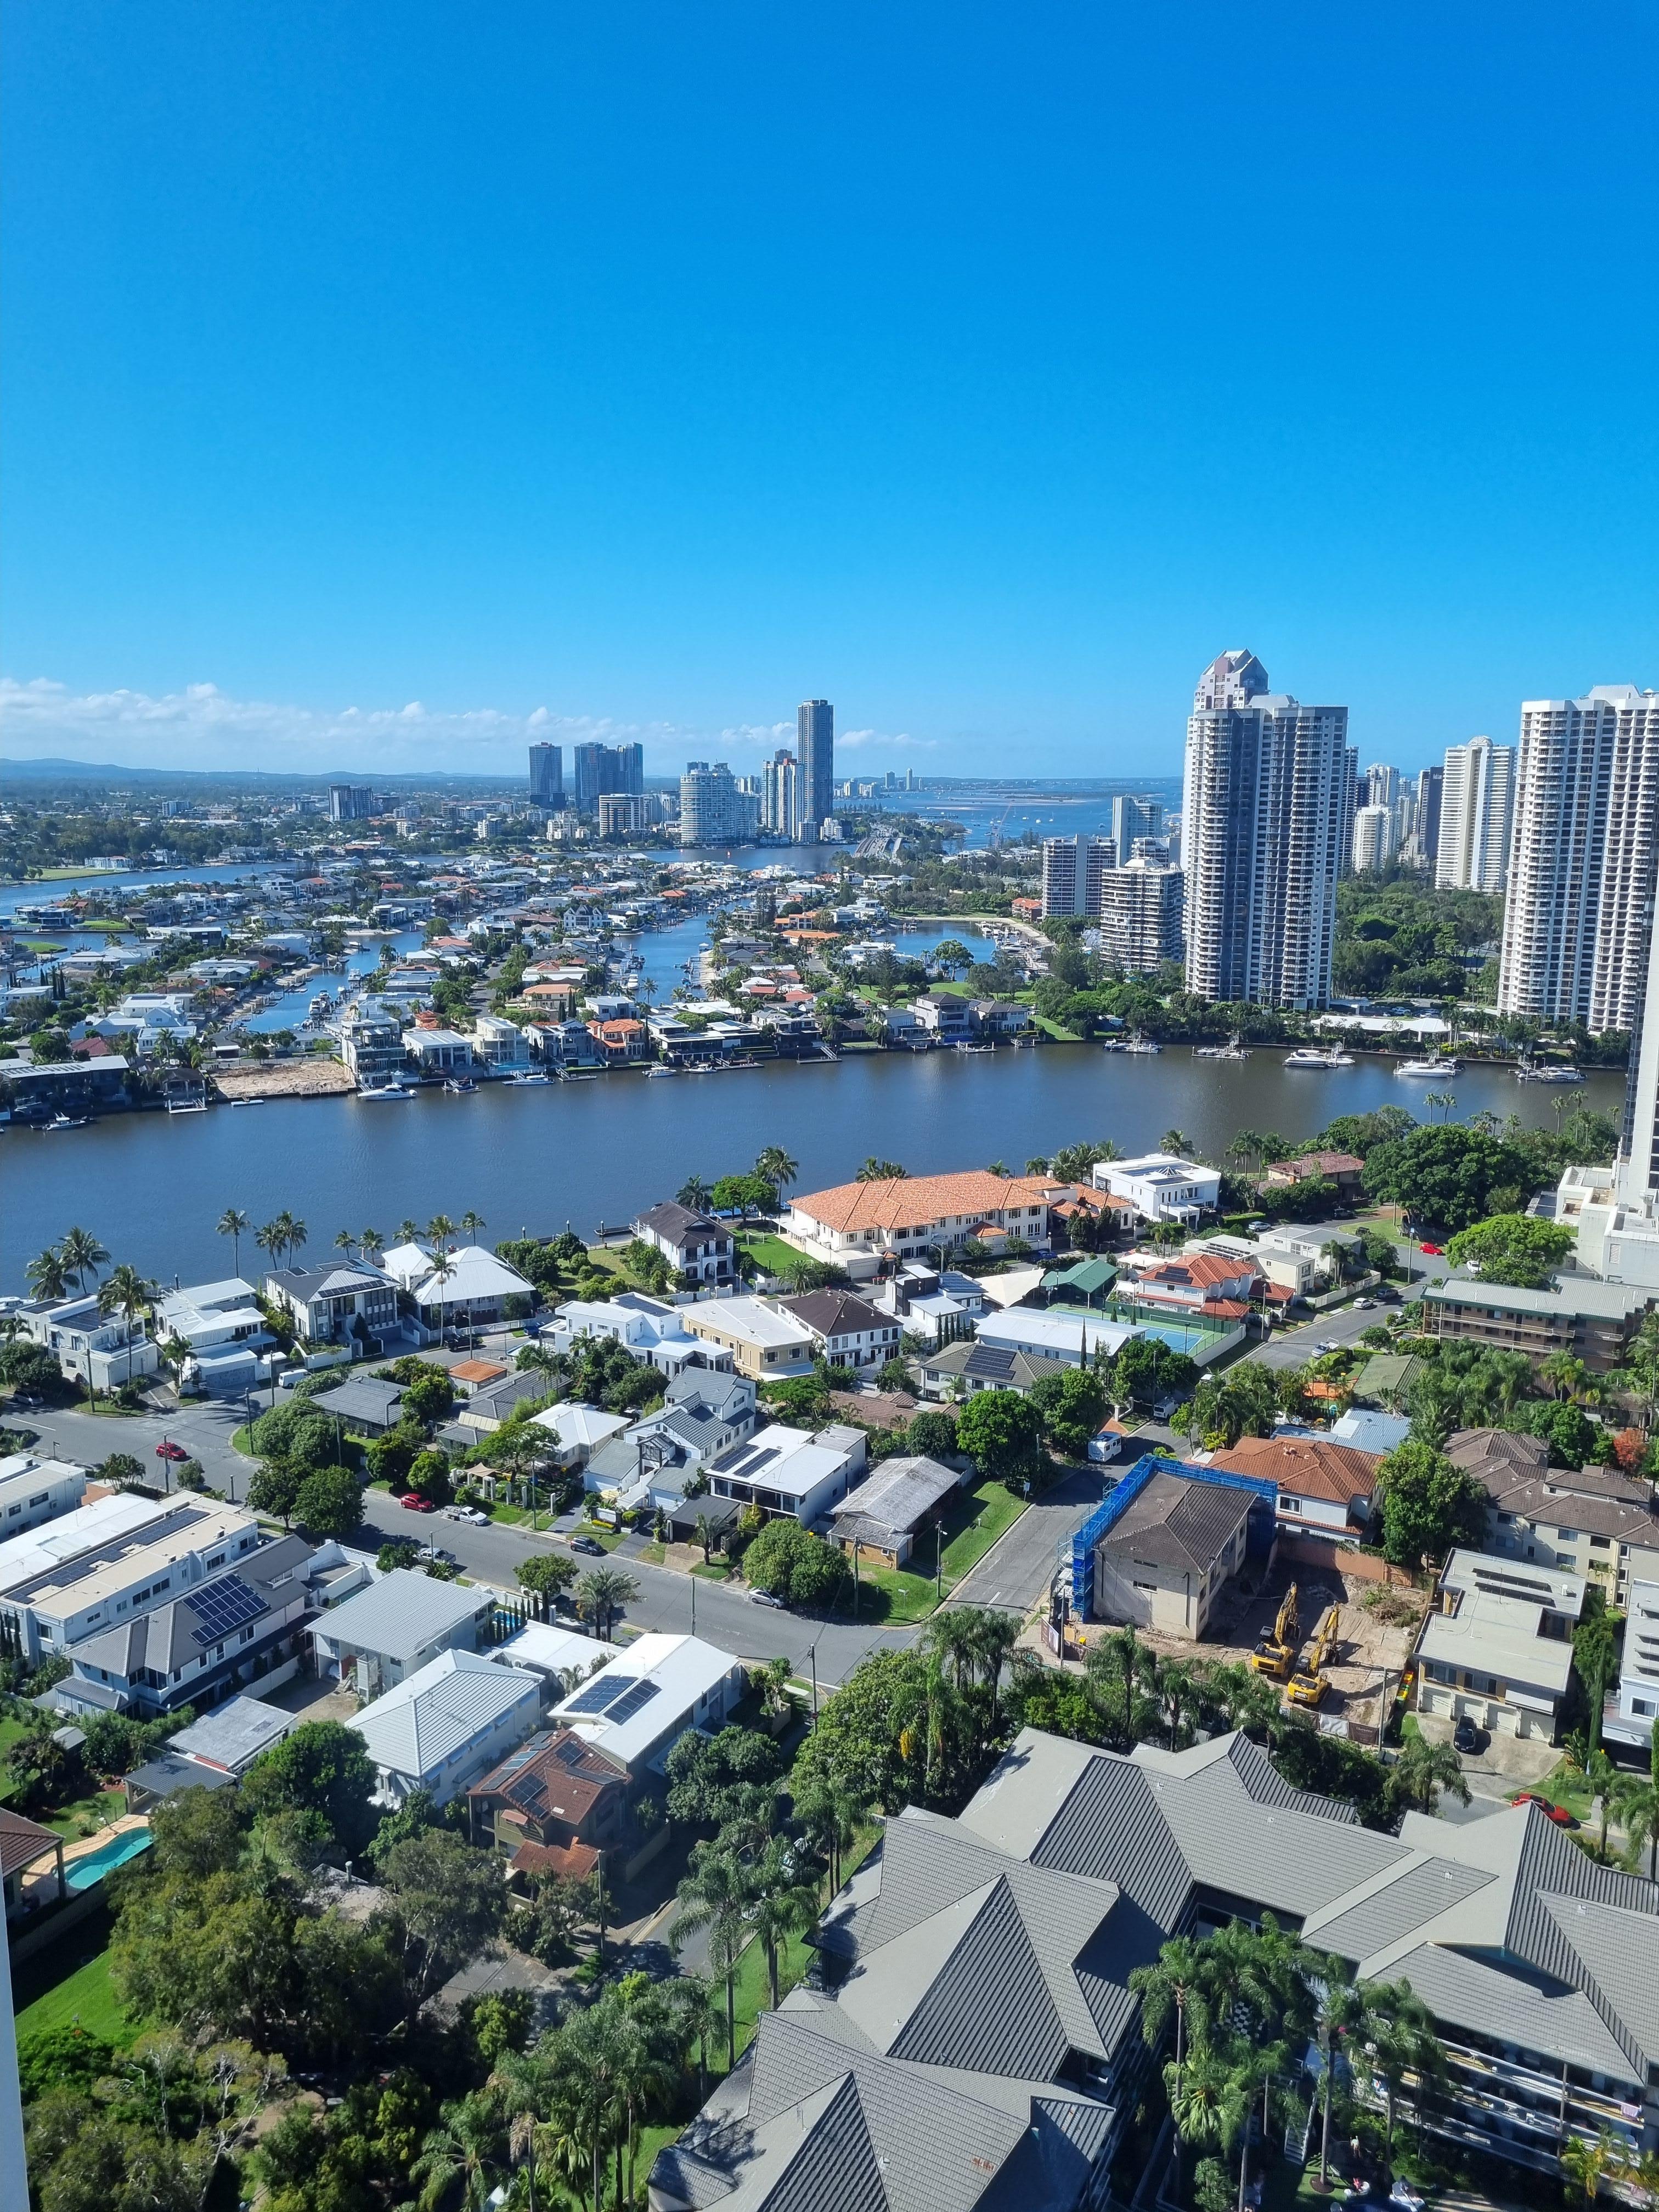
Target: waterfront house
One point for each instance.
(1160, 1187)
(1341, 1169)
(103, 1350)
(344, 1304)
(848, 1331)
(765, 1341)
(623, 1042)
(863, 1226)
(439, 1727)
(227, 1333)
(891, 1508)
(1497, 1645)
(693, 1243)
(393, 1628)
(34, 1491)
(792, 1471)
(500, 1046)
(466, 1288)
(944, 1016)
(440, 1053)
(650, 1329)
(1000, 1017)
(553, 1805)
(372, 1043)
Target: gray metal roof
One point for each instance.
(400, 1614)
(1408, 1902)
(898, 1496)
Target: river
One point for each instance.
(151, 1187)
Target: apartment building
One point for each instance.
(1593, 1321)
(35, 1490)
(1142, 914)
(106, 1567)
(765, 1342)
(1581, 851)
(1073, 870)
(1264, 838)
(1594, 1521)
(1477, 803)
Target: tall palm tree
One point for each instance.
(1208, 2101)
(233, 1222)
(46, 1275)
(995, 1635)
(694, 1193)
(602, 1593)
(408, 1232)
(84, 1255)
(269, 1238)
(1339, 2019)
(715, 1895)
(1637, 1803)
(346, 1243)
(774, 1166)
(1400, 2043)
(471, 1222)
(439, 1229)
(455, 2153)
(695, 2010)
(294, 1233)
(1173, 1985)
(782, 1907)
(126, 1292)
(371, 1243)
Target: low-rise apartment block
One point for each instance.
(1498, 1645)
(35, 1490)
(1593, 1320)
(1634, 1711)
(1589, 1521)
(92, 1571)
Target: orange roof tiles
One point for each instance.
(1308, 1467)
(910, 1200)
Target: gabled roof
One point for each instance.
(1181, 1523)
(681, 1224)
(834, 1313)
(915, 1200)
(1306, 1467)
(441, 1708)
(399, 1615)
(897, 1496)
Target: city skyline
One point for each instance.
(297, 413)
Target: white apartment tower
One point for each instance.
(1141, 910)
(1073, 869)
(1374, 828)
(1581, 851)
(1264, 837)
(1477, 803)
(781, 793)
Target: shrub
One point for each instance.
(794, 1565)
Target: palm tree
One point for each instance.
(696, 2009)
(995, 1635)
(1172, 1985)
(84, 1255)
(346, 1243)
(471, 1222)
(1401, 2042)
(875, 1171)
(1595, 1654)
(1564, 1372)
(780, 1906)
(439, 1231)
(408, 1233)
(828, 1815)
(455, 2153)
(602, 1593)
(1587, 2164)
(706, 1533)
(1422, 1770)
(1208, 2100)
(126, 1292)
(1638, 1805)
(1177, 1141)
(694, 1193)
(46, 1275)
(952, 1638)
(233, 1222)
(371, 1243)
(1340, 2015)
(774, 1166)
(715, 1895)
(269, 1238)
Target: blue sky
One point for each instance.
(378, 378)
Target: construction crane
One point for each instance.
(1275, 1655)
(1310, 1684)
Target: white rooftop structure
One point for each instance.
(446, 1723)
(787, 1470)
(636, 1708)
(553, 1652)
(119, 1514)
(1501, 1640)
(650, 1329)
(34, 1491)
(1160, 1186)
(1062, 1336)
(212, 1313)
(469, 1277)
(579, 1428)
(232, 1736)
(1639, 1680)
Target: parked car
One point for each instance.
(1434, 1251)
(1466, 1737)
(468, 1513)
(589, 1545)
(1559, 1813)
(765, 1597)
(412, 1502)
(1388, 1296)
(1363, 1305)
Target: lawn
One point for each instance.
(80, 1815)
(769, 1253)
(754, 1995)
(609, 1537)
(86, 1996)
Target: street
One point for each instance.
(1016, 1571)
(1294, 1347)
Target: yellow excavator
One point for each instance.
(1308, 1685)
(1275, 1655)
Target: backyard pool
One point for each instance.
(83, 1873)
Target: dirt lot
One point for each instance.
(287, 1078)
(1372, 1642)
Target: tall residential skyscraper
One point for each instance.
(1135, 817)
(815, 749)
(350, 802)
(713, 810)
(1581, 851)
(1477, 800)
(1262, 843)
(547, 775)
(1426, 817)
(1140, 915)
(1072, 870)
(600, 769)
(1373, 838)
(780, 794)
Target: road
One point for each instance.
(1294, 1347)
(1017, 1571)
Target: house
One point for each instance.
(956, 1370)
(885, 1516)
(1319, 1253)
(99, 1566)
(648, 1327)
(1590, 1520)
(395, 1628)
(637, 1706)
(997, 1017)
(763, 1341)
(935, 1304)
(445, 1724)
(1198, 1283)
(1497, 1645)
(1636, 1702)
(471, 1375)
(1171, 1539)
(1054, 1334)
(576, 1432)
(1370, 1431)
(1325, 1488)
(199, 1642)
(1341, 1169)
(623, 1043)
(1593, 1320)
(499, 1045)
(1160, 1187)
(693, 1243)
(25, 1846)
(439, 1053)
(232, 1736)
(1386, 1378)
(364, 1405)
(791, 1471)
(553, 1805)
(36, 1490)
(563, 1657)
(848, 1331)
(163, 1778)
(492, 1403)
(336, 1305)
(1535, 1964)
(227, 1333)
(103, 1350)
(944, 1016)
(651, 1463)
(467, 1288)
(861, 1226)
(372, 1043)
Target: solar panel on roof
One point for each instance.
(228, 1604)
(603, 1691)
(632, 1701)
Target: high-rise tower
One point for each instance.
(815, 749)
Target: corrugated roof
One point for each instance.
(441, 1708)
(400, 1614)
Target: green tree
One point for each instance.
(545, 1576)
(448, 1900)
(1399, 2046)
(1453, 1176)
(428, 1396)
(715, 1895)
(1595, 1647)
(1512, 1247)
(1002, 1433)
(1429, 1505)
(329, 1503)
(1072, 1405)
(274, 1489)
(322, 1767)
(1422, 1772)
(794, 1565)
(602, 1594)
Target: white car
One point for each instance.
(765, 1597)
(1363, 1305)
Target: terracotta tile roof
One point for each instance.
(575, 1859)
(1307, 1467)
(477, 1371)
(913, 1200)
(1307, 1165)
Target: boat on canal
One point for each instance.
(1308, 1055)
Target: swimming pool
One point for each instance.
(83, 1873)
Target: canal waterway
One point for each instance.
(151, 1187)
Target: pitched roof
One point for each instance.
(399, 1615)
(441, 1708)
(681, 1222)
(896, 1498)
(22, 1842)
(558, 1773)
(905, 1201)
(834, 1313)
(1181, 1523)
(1306, 1467)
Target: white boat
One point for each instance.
(1233, 1049)
(1430, 1067)
(1113, 1044)
(526, 1077)
(1548, 1075)
(187, 1105)
(248, 1102)
(657, 1073)
(1143, 1044)
(1308, 1056)
(459, 1086)
(67, 1122)
(385, 1090)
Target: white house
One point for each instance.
(1058, 1335)
(36, 1490)
(92, 1571)
(792, 1471)
(1497, 1646)
(226, 1333)
(440, 1052)
(648, 1327)
(466, 1288)
(499, 1044)
(578, 1431)
(1160, 1187)
(636, 1708)
(104, 1350)
(442, 1727)
(1639, 1683)
(847, 1330)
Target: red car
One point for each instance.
(1436, 1251)
(167, 1449)
(412, 1502)
(1561, 1817)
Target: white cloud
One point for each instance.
(204, 727)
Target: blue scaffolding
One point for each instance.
(1259, 1539)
